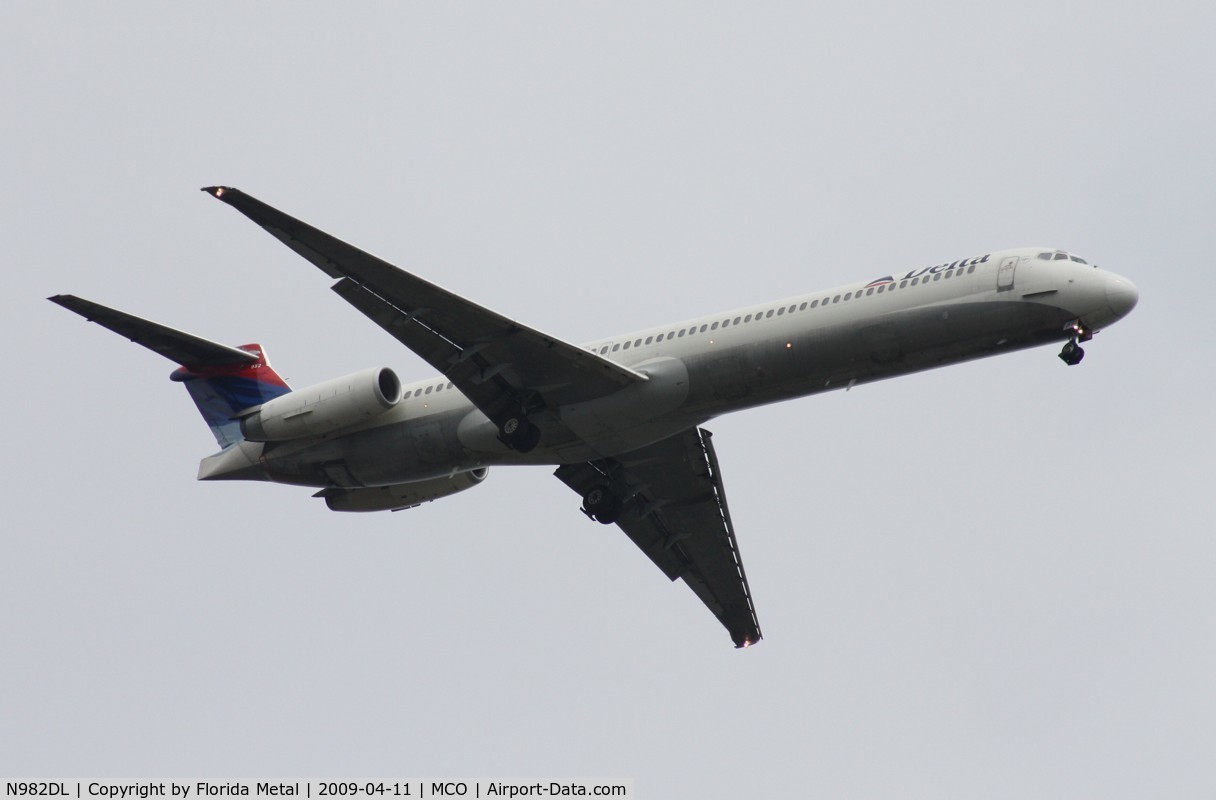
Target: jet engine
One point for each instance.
(401, 495)
(324, 408)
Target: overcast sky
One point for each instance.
(992, 580)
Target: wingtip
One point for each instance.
(217, 191)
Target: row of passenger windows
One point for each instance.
(743, 320)
(437, 388)
(777, 312)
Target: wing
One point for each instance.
(673, 507)
(503, 367)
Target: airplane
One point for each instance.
(620, 418)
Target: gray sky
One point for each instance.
(990, 580)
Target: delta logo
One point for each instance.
(965, 262)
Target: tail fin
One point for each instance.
(223, 390)
(223, 381)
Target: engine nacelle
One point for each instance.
(402, 495)
(324, 408)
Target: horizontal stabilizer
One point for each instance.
(180, 348)
(223, 381)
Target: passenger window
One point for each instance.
(417, 393)
(625, 346)
(769, 314)
(649, 339)
(713, 327)
(869, 291)
(836, 299)
(903, 283)
(603, 349)
(428, 389)
(802, 307)
(736, 321)
(616, 347)
(971, 269)
(881, 288)
(703, 327)
(781, 311)
(937, 277)
(439, 388)
(814, 303)
(671, 335)
(748, 318)
(681, 334)
(637, 342)
(847, 295)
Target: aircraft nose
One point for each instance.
(1121, 295)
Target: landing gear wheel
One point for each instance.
(602, 504)
(519, 434)
(1072, 353)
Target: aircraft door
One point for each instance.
(1004, 275)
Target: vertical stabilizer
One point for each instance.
(222, 391)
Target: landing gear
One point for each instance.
(601, 504)
(519, 434)
(1072, 353)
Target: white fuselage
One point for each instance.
(700, 368)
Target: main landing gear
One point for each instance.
(602, 505)
(519, 434)
(1073, 352)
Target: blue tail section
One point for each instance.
(221, 391)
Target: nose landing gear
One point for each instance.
(1073, 352)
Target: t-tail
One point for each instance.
(223, 381)
(222, 390)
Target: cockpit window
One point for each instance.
(1060, 255)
